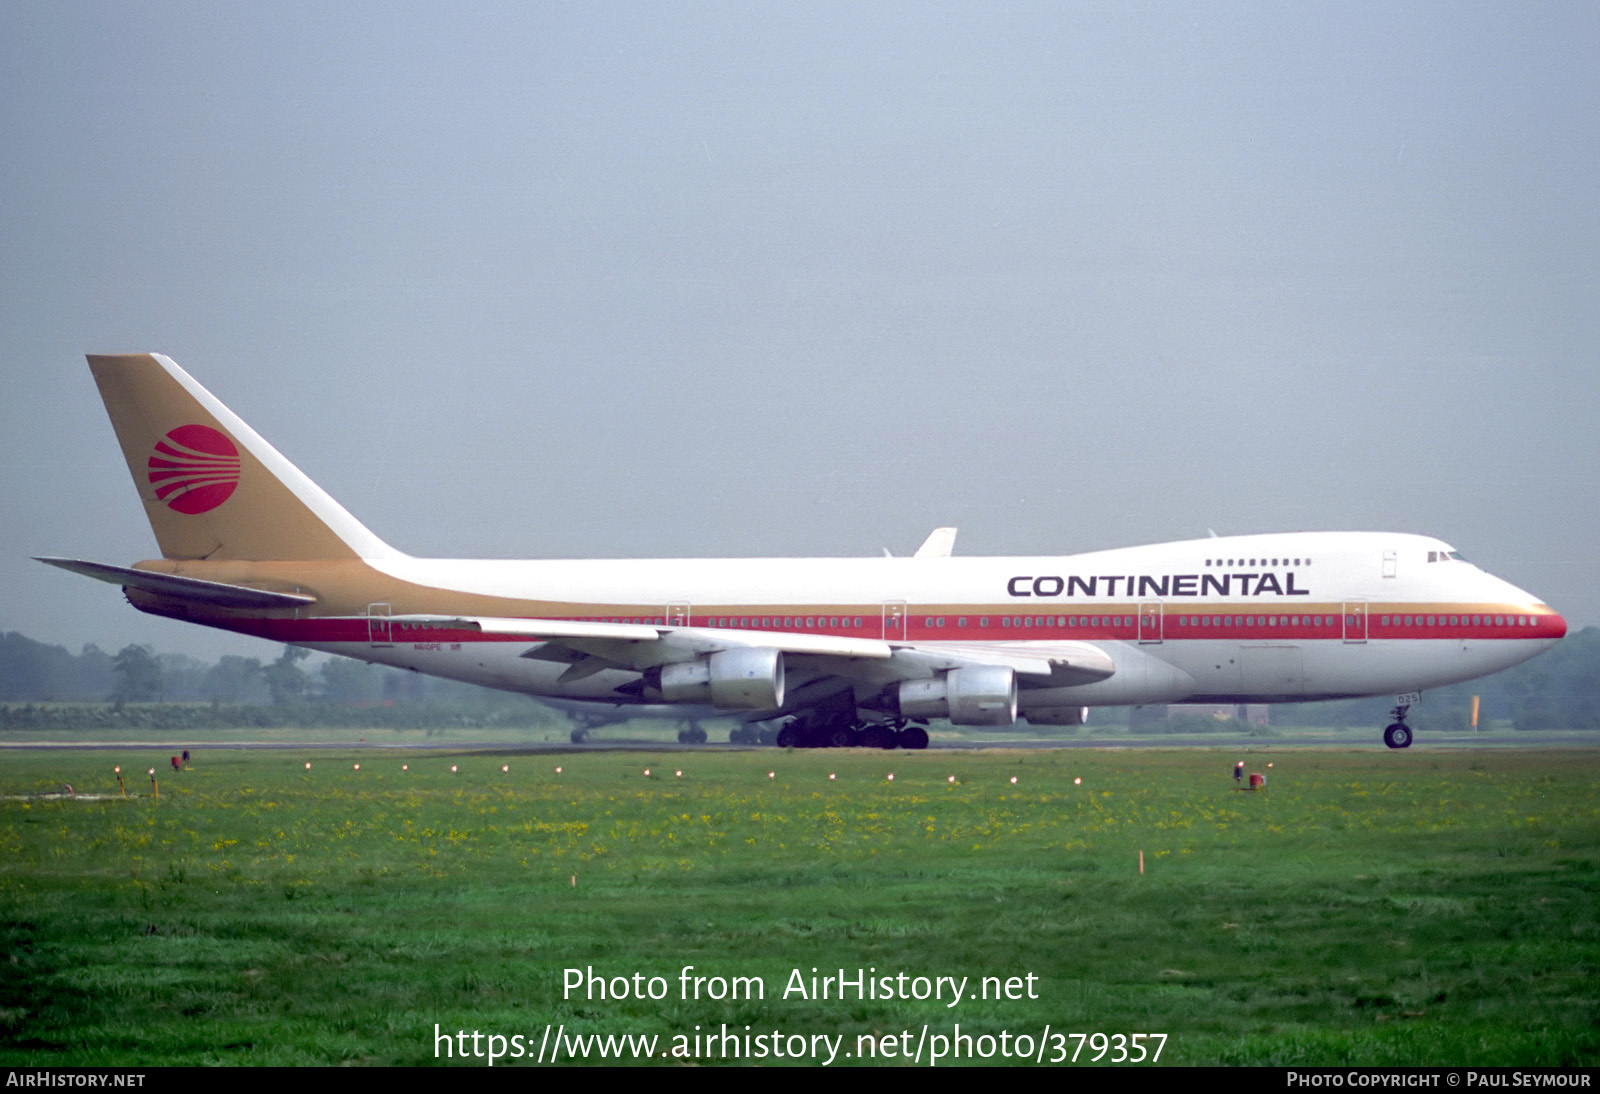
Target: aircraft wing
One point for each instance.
(676, 643)
(589, 647)
(1040, 665)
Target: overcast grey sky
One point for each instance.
(578, 279)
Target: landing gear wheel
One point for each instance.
(914, 737)
(838, 737)
(1397, 736)
(788, 736)
(878, 736)
(579, 736)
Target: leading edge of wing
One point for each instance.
(693, 639)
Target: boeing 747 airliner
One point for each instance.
(845, 651)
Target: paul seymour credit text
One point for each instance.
(556, 1043)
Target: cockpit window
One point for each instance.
(1446, 556)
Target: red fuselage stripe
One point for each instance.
(1112, 624)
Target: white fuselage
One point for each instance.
(1267, 618)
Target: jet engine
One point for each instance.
(979, 695)
(744, 679)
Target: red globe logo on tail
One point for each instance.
(194, 469)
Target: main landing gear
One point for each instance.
(803, 733)
(836, 724)
(1398, 735)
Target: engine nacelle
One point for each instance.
(980, 695)
(1058, 716)
(729, 680)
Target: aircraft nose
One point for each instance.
(1557, 625)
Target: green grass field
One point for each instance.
(1371, 907)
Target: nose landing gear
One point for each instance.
(1398, 735)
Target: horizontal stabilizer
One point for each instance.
(216, 593)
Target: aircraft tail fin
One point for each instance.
(211, 487)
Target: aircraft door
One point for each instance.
(1390, 563)
(379, 631)
(1150, 620)
(1355, 621)
(678, 615)
(894, 620)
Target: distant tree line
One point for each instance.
(34, 672)
(45, 686)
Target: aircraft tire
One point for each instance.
(580, 735)
(913, 737)
(877, 737)
(788, 736)
(1397, 735)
